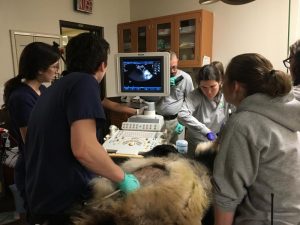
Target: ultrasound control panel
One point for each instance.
(141, 126)
(144, 123)
(133, 142)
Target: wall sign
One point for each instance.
(83, 5)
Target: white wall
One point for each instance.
(295, 21)
(260, 26)
(42, 16)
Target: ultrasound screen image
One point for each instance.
(142, 74)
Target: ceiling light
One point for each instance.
(236, 2)
(230, 2)
(204, 2)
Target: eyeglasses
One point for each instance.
(286, 62)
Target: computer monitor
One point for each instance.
(143, 74)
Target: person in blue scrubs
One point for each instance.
(38, 64)
(62, 150)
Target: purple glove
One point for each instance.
(211, 136)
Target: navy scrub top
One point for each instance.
(55, 179)
(20, 104)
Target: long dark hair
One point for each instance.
(257, 74)
(219, 66)
(209, 72)
(36, 57)
(295, 62)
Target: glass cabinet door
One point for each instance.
(188, 34)
(127, 42)
(187, 39)
(142, 38)
(163, 37)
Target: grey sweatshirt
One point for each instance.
(296, 90)
(259, 155)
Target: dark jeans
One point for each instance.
(51, 219)
(62, 218)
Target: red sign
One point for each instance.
(84, 5)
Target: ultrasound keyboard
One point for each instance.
(133, 142)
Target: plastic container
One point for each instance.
(182, 146)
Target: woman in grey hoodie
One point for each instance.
(259, 154)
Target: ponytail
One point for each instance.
(257, 74)
(9, 86)
(277, 83)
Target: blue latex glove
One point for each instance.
(172, 81)
(129, 184)
(211, 136)
(179, 128)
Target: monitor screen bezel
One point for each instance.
(166, 72)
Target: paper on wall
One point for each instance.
(206, 60)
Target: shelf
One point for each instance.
(163, 32)
(163, 35)
(188, 29)
(186, 48)
(163, 49)
(186, 45)
(187, 32)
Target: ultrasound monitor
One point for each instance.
(143, 74)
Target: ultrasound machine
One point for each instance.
(140, 74)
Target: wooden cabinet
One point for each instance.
(117, 118)
(125, 38)
(143, 35)
(193, 37)
(188, 34)
(163, 31)
(114, 117)
(134, 36)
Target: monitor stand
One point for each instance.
(147, 122)
(149, 110)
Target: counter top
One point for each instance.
(135, 105)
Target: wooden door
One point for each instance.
(163, 34)
(193, 38)
(127, 37)
(144, 33)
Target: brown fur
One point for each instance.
(174, 190)
(209, 146)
